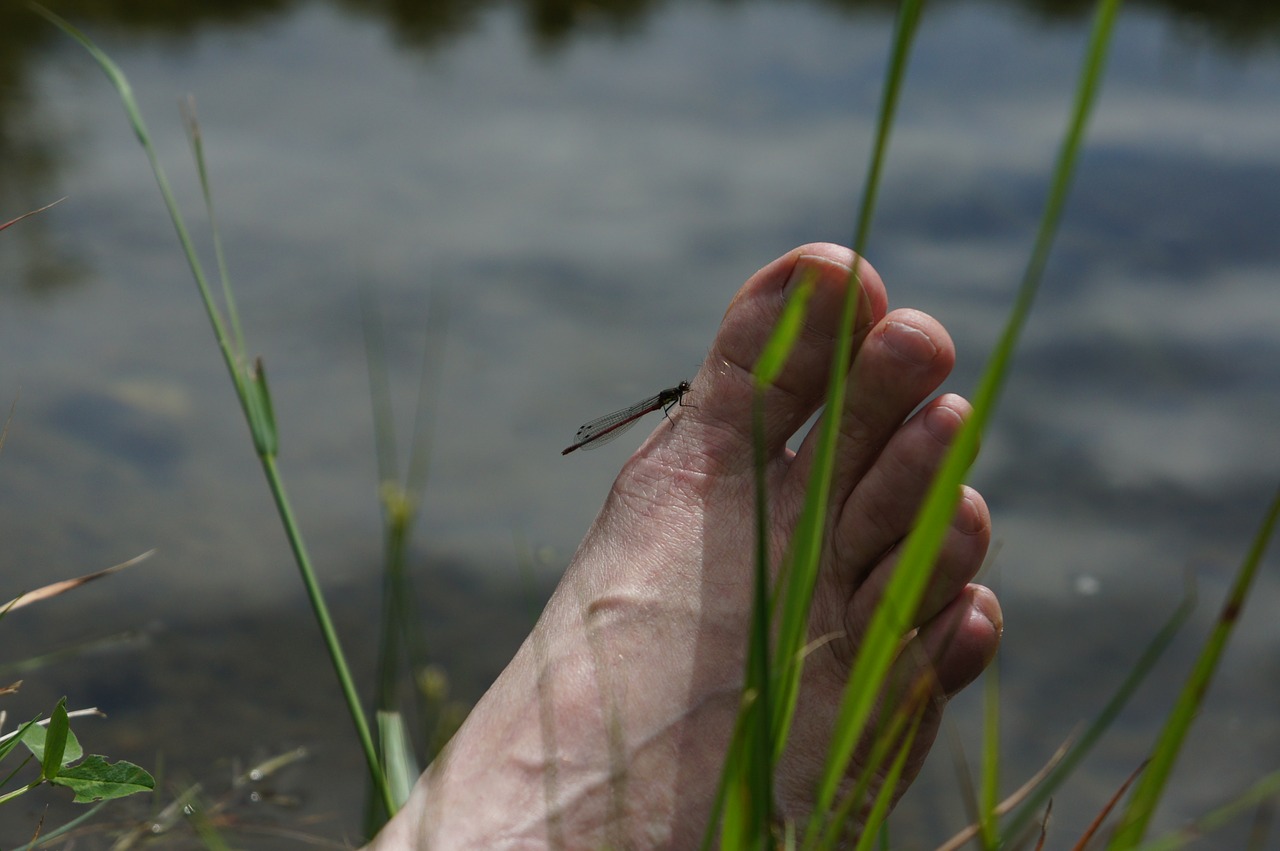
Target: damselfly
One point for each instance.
(600, 431)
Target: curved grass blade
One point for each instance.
(45, 839)
(196, 140)
(744, 802)
(1043, 793)
(1083, 843)
(801, 566)
(898, 734)
(1266, 789)
(888, 788)
(1137, 816)
(893, 616)
(56, 738)
(255, 402)
(989, 797)
(30, 213)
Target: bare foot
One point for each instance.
(609, 727)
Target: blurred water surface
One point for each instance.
(581, 192)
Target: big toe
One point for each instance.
(723, 387)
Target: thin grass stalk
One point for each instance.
(29, 213)
(125, 90)
(388, 662)
(748, 815)
(1100, 818)
(62, 829)
(723, 818)
(801, 566)
(921, 547)
(401, 504)
(255, 401)
(888, 789)
(323, 620)
(895, 737)
(391, 499)
(760, 755)
(989, 794)
(228, 296)
(1040, 798)
(1260, 793)
(1142, 805)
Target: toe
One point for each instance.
(963, 550)
(903, 359)
(946, 654)
(882, 507)
(723, 388)
(958, 643)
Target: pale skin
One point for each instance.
(608, 728)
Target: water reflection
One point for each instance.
(593, 180)
(552, 22)
(29, 157)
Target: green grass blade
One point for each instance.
(1133, 825)
(1035, 803)
(897, 735)
(885, 796)
(784, 335)
(62, 829)
(30, 735)
(744, 801)
(397, 752)
(806, 543)
(1265, 790)
(904, 36)
(989, 794)
(759, 756)
(260, 412)
(328, 632)
(892, 618)
(255, 402)
(125, 91)
(801, 567)
(401, 501)
(196, 139)
(725, 814)
(55, 741)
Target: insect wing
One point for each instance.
(602, 430)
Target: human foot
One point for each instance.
(609, 726)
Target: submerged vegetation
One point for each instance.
(744, 818)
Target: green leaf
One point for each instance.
(261, 414)
(397, 755)
(37, 740)
(55, 741)
(20, 737)
(95, 779)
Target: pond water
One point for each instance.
(568, 202)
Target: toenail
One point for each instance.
(807, 268)
(910, 343)
(969, 519)
(942, 422)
